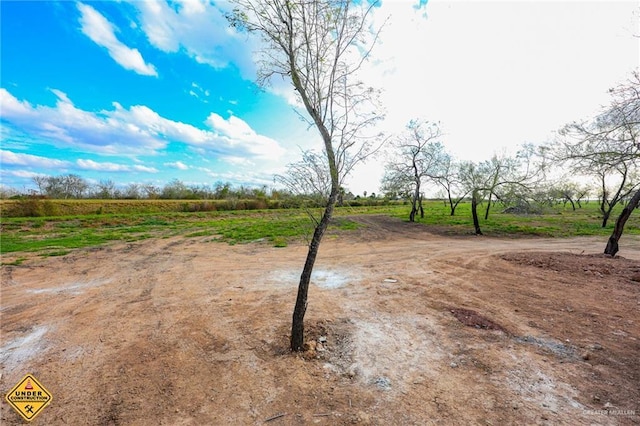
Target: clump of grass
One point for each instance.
(19, 261)
(204, 233)
(279, 242)
(55, 253)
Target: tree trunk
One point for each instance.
(421, 208)
(612, 244)
(452, 207)
(415, 199)
(605, 217)
(474, 213)
(297, 325)
(486, 213)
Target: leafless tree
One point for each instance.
(449, 179)
(62, 187)
(608, 146)
(319, 46)
(105, 189)
(483, 180)
(417, 155)
(309, 176)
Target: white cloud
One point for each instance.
(28, 160)
(69, 126)
(102, 32)
(177, 165)
(235, 132)
(135, 131)
(198, 27)
(23, 174)
(112, 167)
(145, 169)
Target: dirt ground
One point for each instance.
(404, 327)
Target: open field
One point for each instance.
(57, 235)
(406, 327)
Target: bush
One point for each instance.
(204, 206)
(32, 207)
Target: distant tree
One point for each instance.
(75, 185)
(41, 183)
(176, 190)
(7, 192)
(151, 191)
(320, 46)
(483, 180)
(417, 155)
(449, 180)
(309, 177)
(608, 147)
(62, 187)
(132, 191)
(221, 190)
(105, 189)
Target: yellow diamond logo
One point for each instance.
(28, 397)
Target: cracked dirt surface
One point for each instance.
(186, 331)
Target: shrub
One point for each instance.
(32, 207)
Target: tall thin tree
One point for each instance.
(320, 45)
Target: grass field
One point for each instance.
(57, 235)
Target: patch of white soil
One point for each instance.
(19, 350)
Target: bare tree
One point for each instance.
(417, 156)
(483, 180)
(41, 183)
(62, 187)
(567, 192)
(105, 189)
(320, 46)
(449, 179)
(308, 177)
(152, 191)
(608, 146)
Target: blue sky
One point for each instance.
(150, 91)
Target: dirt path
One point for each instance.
(185, 331)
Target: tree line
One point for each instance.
(596, 158)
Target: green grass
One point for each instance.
(555, 222)
(235, 227)
(52, 236)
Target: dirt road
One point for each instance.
(405, 327)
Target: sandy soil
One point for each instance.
(404, 327)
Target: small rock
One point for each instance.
(322, 339)
(383, 383)
(453, 365)
(586, 356)
(596, 398)
(597, 346)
